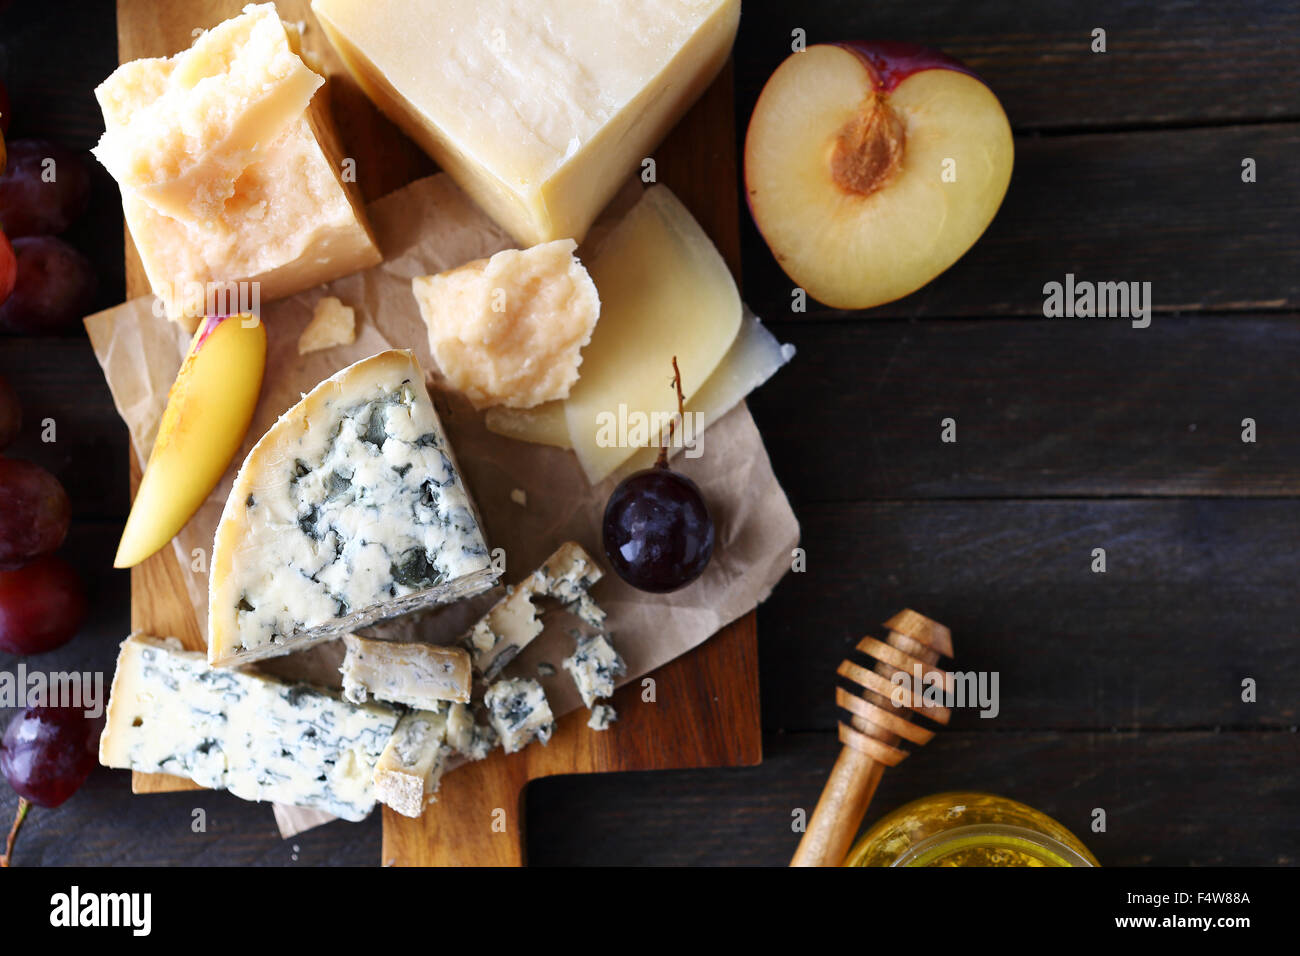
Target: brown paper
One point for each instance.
(428, 227)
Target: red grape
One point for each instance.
(43, 190)
(8, 268)
(48, 752)
(55, 287)
(42, 605)
(657, 531)
(34, 512)
(11, 413)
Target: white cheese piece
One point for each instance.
(332, 323)
(415, 675)
(539, 109)
(602, 715)
(229, 175)
(511, 624)
(509, 330)
(349, 510)
(259, 738)
(410, 768)
(753, 358)
(519, 713)
(466, 736)
(594, 666)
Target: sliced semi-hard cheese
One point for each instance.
(539, 109)
(519, 713)
(753, 358)
(665, 291)
(512, 623)
(349, 510)
(257, 737)
(410, 768)
(508, 330)
(230, 170)
(412, 674)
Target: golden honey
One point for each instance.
(968, 829)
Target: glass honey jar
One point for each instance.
(968, 829)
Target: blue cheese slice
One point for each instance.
(411, 766)
(413, 674)
(511, 624)
(594, 666)
(259, 738)
(519, 713)
(349, 510)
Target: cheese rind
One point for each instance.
(594, 666)
(408, 772)
(349, 510)
(539, 109)
(259, 738)
(519, 713)
(509, 330)
(415, 675)
(512, 623)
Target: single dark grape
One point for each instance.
(48, 752)
(34, 512)
(657, 531)
(54, 289)
(42, 606)
(45, 187)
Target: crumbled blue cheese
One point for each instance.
(594, 666)
(411, 766)
(511, 624)
(602, 715)
(466, 736)
(519, 713)
(259, 738)
(348, 511)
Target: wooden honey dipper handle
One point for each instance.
(869, 737)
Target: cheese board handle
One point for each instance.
(839, 810)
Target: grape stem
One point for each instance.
(662, 460)
(23, 806)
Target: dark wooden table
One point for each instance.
(1120, 691)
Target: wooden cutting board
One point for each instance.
(705, 704)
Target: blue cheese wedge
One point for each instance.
(602, 715)
(419, 676)
(466, 736)
(349, 510)
(511, 624)
(594, 666)
(519, 713)
(259, 738)
(408, 772)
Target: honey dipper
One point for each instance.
(873, 729)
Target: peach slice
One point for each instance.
(872, 167)
(208, 412)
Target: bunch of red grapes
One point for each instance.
(45, 285)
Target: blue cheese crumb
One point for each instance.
(602, 715)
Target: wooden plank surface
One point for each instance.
(1124, 159)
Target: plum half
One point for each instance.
(870, 168)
